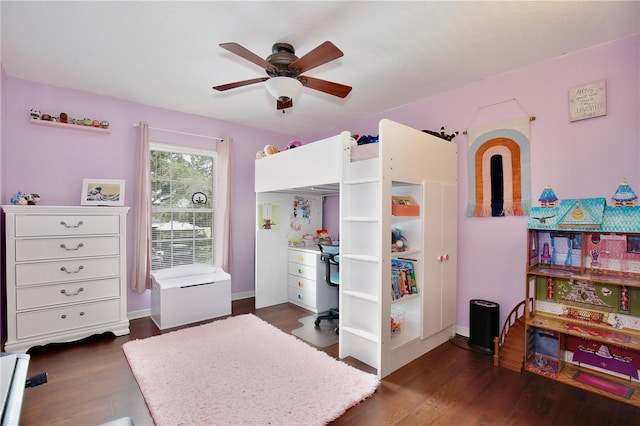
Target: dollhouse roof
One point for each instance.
(597, 216)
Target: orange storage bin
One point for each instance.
(404, 206)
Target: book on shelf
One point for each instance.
(403, 278)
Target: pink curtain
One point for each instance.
(141, 271)
(224, 150)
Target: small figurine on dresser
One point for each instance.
(21, 199)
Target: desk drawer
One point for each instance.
(63, 248)
(39, 226)
(59, 294)
(303, 271)
(303, 257)
(66, 318)
(302, 283)
(302, 296)
(66, 270)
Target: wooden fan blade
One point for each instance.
(322, 54)
(284, 105)
(245, 53)
(224, 87)
(325, 86)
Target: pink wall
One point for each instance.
(587, 158)
(53, 161)
(581, 159)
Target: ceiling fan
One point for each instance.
(284, 71)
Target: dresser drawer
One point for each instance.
(303, 271)
(61, 319)
(73, 292)
(303, 257)
(302, 296)
(39, 226)
(66, 270)
(62, 248)
(302, 283)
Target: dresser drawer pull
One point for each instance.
(63, 223)
(71, 249)
(63, 316)
(63, 291)
(63, 269)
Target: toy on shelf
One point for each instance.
(37, 118)
(398, 241)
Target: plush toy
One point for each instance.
(270, 150)
(364, 139)
(104, 124)
(442, 134)
(95, 123)
(293, 144)
(399, 242)
(63, 117)
(35, 114)
(87, 122)
(260, 154)
(45, 117)
(25, 199)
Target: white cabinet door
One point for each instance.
(439, 309)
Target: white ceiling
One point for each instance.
(166, 54)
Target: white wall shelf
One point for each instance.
(69, 126)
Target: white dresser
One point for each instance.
(66, 274)
(306, 284)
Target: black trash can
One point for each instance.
(484, 317)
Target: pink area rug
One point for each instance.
(242, 371)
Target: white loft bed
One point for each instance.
(405, 162)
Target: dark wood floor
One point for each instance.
(90, 383)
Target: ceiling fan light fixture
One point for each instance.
(284, 89)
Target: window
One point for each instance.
(183, 206)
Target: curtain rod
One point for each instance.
(182, 133)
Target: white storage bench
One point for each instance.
(189, 293)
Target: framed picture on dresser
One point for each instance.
(102, 192)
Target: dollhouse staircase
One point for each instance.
(509, 346)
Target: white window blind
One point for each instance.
(183, 205)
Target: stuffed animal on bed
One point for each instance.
(293, 144)
(270, 150)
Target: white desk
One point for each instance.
(306, 284)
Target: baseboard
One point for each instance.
(139, 314)
(462, 331)
(142, 313)
(243, 295)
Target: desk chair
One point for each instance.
(330, 255)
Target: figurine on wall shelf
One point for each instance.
(35, 114)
